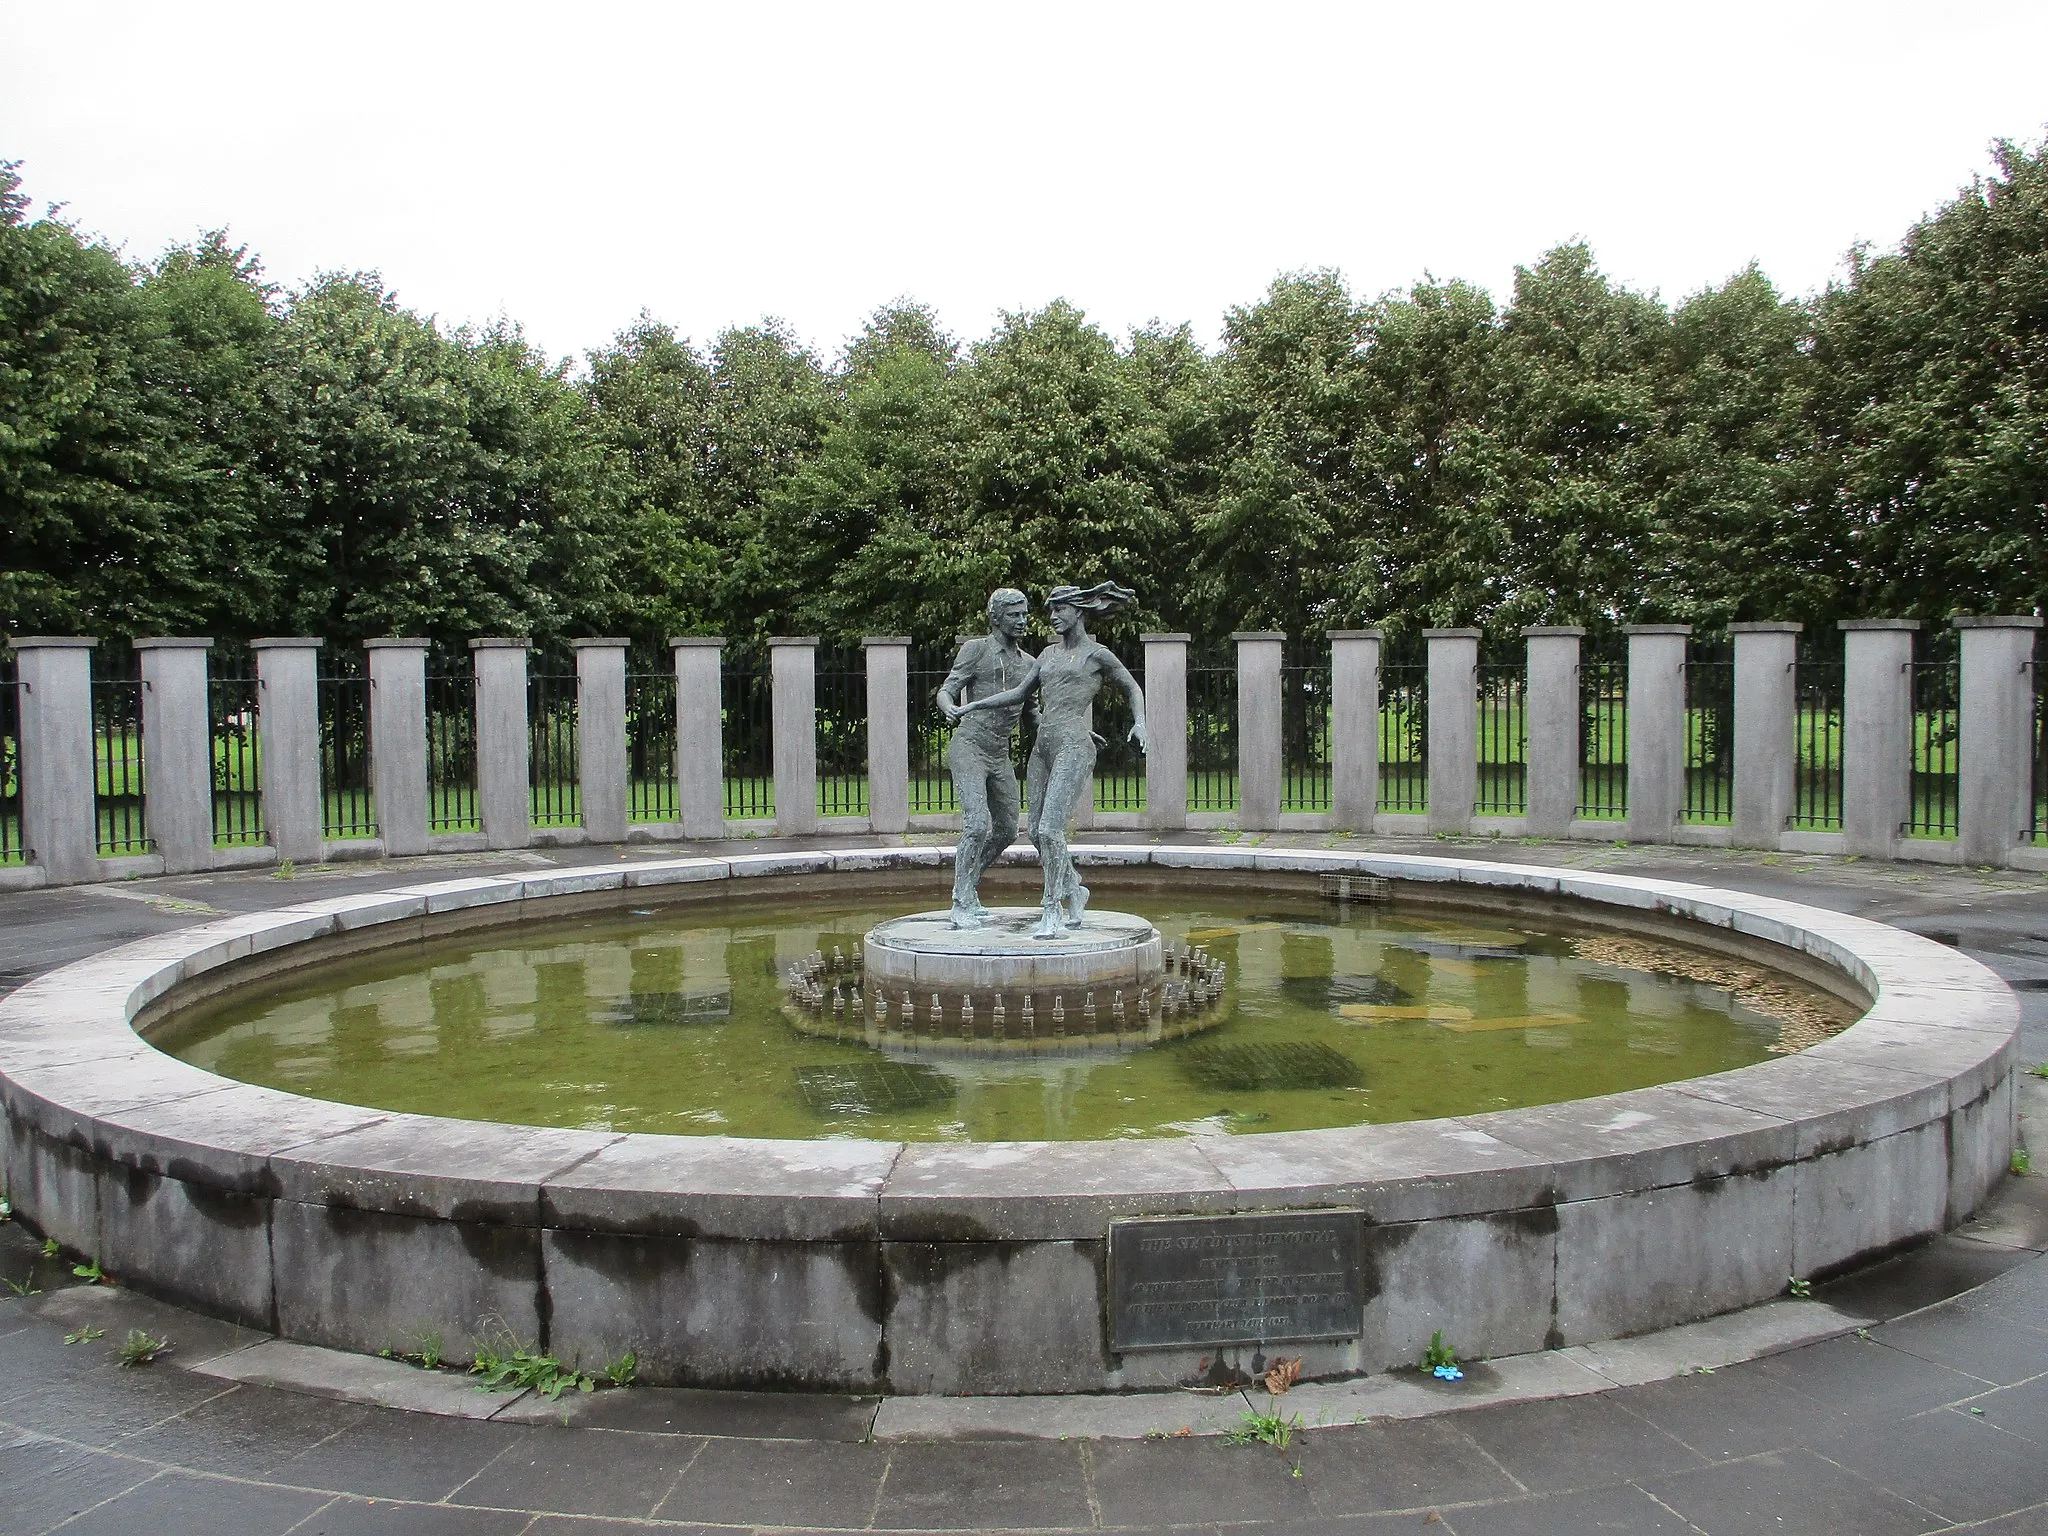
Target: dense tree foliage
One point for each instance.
(185, 448)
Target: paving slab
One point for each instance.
(343, 1374)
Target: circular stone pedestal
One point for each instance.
(925, 951)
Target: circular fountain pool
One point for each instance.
(682, 1021)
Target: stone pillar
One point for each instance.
(504, 750)
(1354, 727)
(888, 659)
(601, 770)
(398, 741)
(1877, 733)
(1766, 731)
(59, 805)
(794, 732)
(1551, 708)
(1166, 731)
(1453, 727)
(177, 760)
(288, 736)
(700, 735)
(1656, 729)
(1995, 747)
(1258, 729)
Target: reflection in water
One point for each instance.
(677, 1022)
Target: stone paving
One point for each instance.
(1934, 1419)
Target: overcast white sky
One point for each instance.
(568, 165)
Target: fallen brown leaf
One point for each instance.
(1284, 1373)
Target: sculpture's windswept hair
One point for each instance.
(1104, 598)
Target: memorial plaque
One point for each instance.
(1235, 1279)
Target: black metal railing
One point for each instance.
(842, 731)
(1119, 765)
(651, 746)
(12, 850)
(120, 799)
(451, 747)
(554, 763)
(1503, 739)
(232, 702)
(1305, 731)
(1817, 746)
(1709, 738)
(1937, 684)
(1603, 736)
(342, 692)
(1212, 732)
(1404, 733)
(747, 701)
(931, 779)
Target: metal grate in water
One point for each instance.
(872, 1088)
(1282, 1064)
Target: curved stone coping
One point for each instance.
(1939, 1036)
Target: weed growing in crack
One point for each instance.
(84, 1335)
(141, 1347)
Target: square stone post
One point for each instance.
(1877, 733)
(1258, 729)
(59, 803)
(601, 771)
(794, 732)
(888, 660)
(1354, 727)
(1766, 730)
(1656, 729)
(1995, 747)
(700, 734)
(288, 736)
(1453, 727)
(1551, 709)
(177, 762)
(504, 750)
(1166, 731)
(398, 741)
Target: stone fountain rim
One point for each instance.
(1939, 1036)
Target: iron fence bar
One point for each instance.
(1212, 735)
(1817, 744)
(554, 767)
(451, 748)
(1937, 683)
(841, 683)
(931, 780)
(342, 695)
(1503, 740)
(747, 692)
(1119, 765)
(1603, 738)
(651, 746)
(120, 783)
(233, 701)
(1709, 739)
(1305, 732)
(1404, 736)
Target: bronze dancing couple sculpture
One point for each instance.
(993, 683)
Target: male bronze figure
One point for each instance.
(984, 778)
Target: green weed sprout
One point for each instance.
(140, 1347)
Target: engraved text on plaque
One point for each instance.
(1235, 1279)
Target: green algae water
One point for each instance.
(676, 1021)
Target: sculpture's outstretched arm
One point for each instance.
(1121, 676)
(1016, 695)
